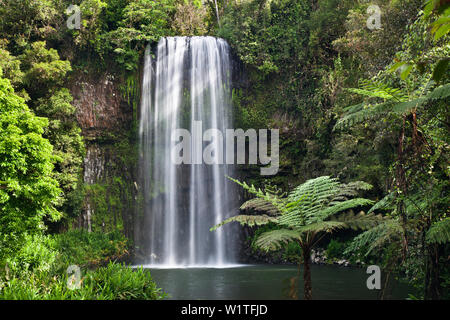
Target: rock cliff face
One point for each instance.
(106, 121)
(101, 109)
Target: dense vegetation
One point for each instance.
(351, 102)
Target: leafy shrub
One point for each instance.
(117, 282)
(335, 249)
(292, 251)
(81, 247)
(37, 254)
(113, 282)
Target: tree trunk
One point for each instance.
(307, 274)
(432, 279)
(401, 185)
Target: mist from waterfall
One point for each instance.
(188, 81)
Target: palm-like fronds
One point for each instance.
(258, 205)
(247, 220)
(275, 239)
(384, 203)
(439, 232)
(360, 221)
(394, 103)
(266, 195)
(319, 199)
(318, 205)
(322, 226)
(376, 237)
(373, 89)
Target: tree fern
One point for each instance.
(316, 207)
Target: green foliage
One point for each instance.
(265, 34)
(65, 135)
(189, 18)
(247, 221)
(37, 254)
(43, 68)
(89, 248)
(436, 18)
(335, 249)
(39, 73)
(113, 282)
(439, 232)
(318, 205)
(397, 102)
(25, 20)
(28, 192)
(38, 270)
(375, 238)
(10, 66)
(142, 21)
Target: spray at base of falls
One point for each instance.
(190, 81)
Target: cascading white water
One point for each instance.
(189, 82)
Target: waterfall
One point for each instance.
(190, 81)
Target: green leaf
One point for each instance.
(442, 31)
(439, 232)
(396, 66)
(406, 71)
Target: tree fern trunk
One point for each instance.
(307, 274)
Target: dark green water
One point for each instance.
(268, 282)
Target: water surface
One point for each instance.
(268, 282)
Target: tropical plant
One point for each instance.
(112, 282)
(28, 191)
(313, 209)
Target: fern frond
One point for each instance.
(343, 206)
(351, 189)
(260, 206)
(275, 239)
(354, 108)
(272, 198)
(407, 106)
(380, 90)
(375, 237)
(358, 115)
(311, 207)
(366, 113)
(360, 221)
(246, 220)
(439, 232)
(322, 226)
(383, 203)
(315, 191)
(441, 92)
